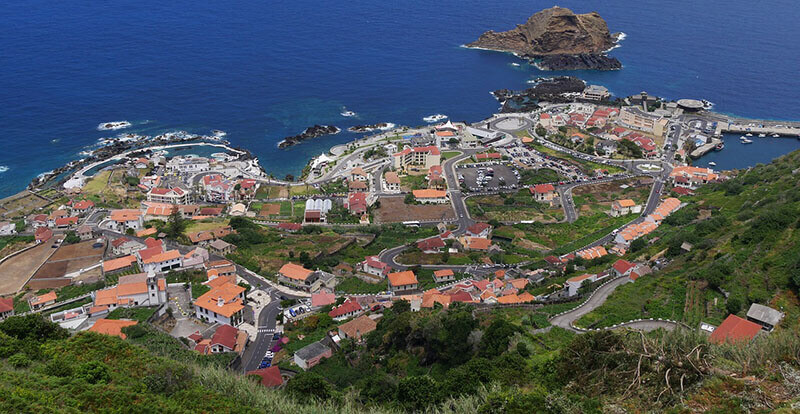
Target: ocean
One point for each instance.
(265, 70)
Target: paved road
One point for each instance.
(599, 297)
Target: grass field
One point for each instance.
(446, 155)
(208, 224)
(516, 207)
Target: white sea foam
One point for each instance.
(347, 113)
(515, 64)
(113, 126)
(388, 126)
(620, 37)
(434, 118)
(3, 168)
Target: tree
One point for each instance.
(309, 385)
(175, 223)
(289, 177)
(71, 238)
(638, 244)
(418, 392)
(496, 338)
(94, 372)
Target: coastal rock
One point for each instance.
(563, 39)
(554, 90)
(579, 62)
(310, 132)
(370, 127)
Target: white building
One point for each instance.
(222, 304)
(635, 118)
(391, 182)
(142, 289)
(188, 164)
(163, 262)
(121, 220)
(124, 246)
(418, 158)
(175, 195)
(7, 228)
(595, 93)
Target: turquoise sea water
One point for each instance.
(264, 70)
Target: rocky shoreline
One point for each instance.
(310, 132)
(370, 127)
(549, 90)
(578, 62)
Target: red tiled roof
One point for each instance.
(290, 226)
(431, 243)
(270, 376)
(6, 304)
(623, 266)
(477, 228)
(225, 336)
(734, 329)
(348, 306)
(542, 188)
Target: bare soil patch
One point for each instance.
(394, 210)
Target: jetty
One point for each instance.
(782, 128)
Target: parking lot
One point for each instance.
(488, 177)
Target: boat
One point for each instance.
(762, 135)
(347, 113)
(747, 141)
(749, 134)
(434, 118)
(775, 136)
(719, 147)
(712, 163)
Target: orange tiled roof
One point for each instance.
(293, 271)
(111, 327)
(47, 297)
(402, 278)
(429, 193)
(163, 257)
(230, 298)
(120, 263)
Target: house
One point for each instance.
(237, 209)
(124, 219)
(227, 339)
(391, 182)
(42, 234)
(430, 196)
(175, 195)
(435, 178)
(84, 232)
(314, 216)
(574, 283)
(633, 232)
(479, 244)
(210, 211)
(543, 192)
(592, 252)
(290, 227)
(321, 299)
(41, 301)
(196, 257)
(7, 228)
(125, 246)
(690, 177)
(357, 186)
(150, 231)
(485, 136)
(270, 376)
(417, 159)
(222, 304)
(358, 174)
(622, 268)
(65, 222)
(444, 275)
(6, 308)
(374, 266)
(120, 263)
(735, 330)
(357, 328)
(206, 236)
(400, 281)
(483, 230)
(162, 211)
(56, 215)
(221, 247)
(431, 245)
(765, 316)
(356, 203)
(81, 207)
(141, 289)
(216, 188)
(36, 220)
(623, 207)
(307, 280)
(346, 310)
(310, 355)
(162, 262)
(111, 327)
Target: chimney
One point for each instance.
(220, 302)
